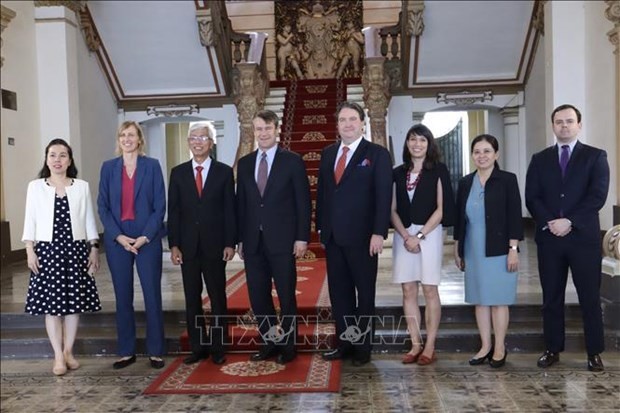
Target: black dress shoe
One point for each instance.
(286, 357)
(121, 364)
(264, 354)
(595, 363)
(218, 358)
(157, 363)
(360, 361)
(336, 354)
(477, 361)
(195, 358)
(548, 359)
(498, 363)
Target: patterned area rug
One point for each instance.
(307, 373)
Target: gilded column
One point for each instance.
(249, 98)
(376, 97)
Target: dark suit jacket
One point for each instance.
(424, 201)
(579, 195)
(208, 221)
(284, 210)
(149, 198)
(359, 206)
(502, 206)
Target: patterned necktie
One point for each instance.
(341, 164)
(199, 180)
(564, 157)
(261, 177)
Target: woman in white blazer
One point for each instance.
(62, 249)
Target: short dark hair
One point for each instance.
(486, 138)
(72, 171)
(564, 107)
(350, 105)
(268, 116)
(433, 154)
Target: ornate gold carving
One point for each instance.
(611, 243)
(318, 39)
(313, 180)
(313, 136)
(75, 5)
(376, 97)
(7, 16)
(249, 97)
(316, 88)
(205, 26)
(539, 16)
(312, 156)
(315, 104)
(312, 226)
(612, 12)
(415, 20)
(314, 120)
(308, 256)
(93, 42)
(465, 97)
(172, 110)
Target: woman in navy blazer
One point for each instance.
(132, 204)
(487, 230)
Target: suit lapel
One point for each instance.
(330, 159)
(116, 187)
(574, 158)
(554, 159)
(188, 178)
(208, 179)
(140, 172)
(271, 175)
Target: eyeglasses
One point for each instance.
(198, 138)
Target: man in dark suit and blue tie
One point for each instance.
(566, 186)
(273, 205)
(353, 216)
(202, 235)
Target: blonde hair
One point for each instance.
(141, 142)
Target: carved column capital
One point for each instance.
(7, 16)
(414, 22)
(204, 18)
(75, 5)
(249, 97)
(376, 97)
(93, 42)
(539, 16)
(612, 12)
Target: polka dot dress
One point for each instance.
(63, 286)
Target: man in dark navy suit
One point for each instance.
(566, 186)
(201, 236)
(353, 215)
(273, 204)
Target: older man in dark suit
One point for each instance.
(273, 203)
(353, 215)
(566, 186)
(201, 236)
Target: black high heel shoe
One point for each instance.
(477, 361)
(498, 363)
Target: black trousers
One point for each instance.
(213, 272)
(584, 261)
(352, 279)
(261, 267)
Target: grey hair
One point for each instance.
(208, 125)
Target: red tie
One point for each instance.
(341, 164)
(199, 180)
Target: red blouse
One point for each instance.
(127, 201)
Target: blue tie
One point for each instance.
(564, 157)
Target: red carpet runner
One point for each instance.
(307, 373)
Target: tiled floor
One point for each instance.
(384, 385)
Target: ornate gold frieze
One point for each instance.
(314, 120)
(313, 180)
(415, 19)
(75, 5)
(7, 16)
(93, 42)
(313, 136)
(539, 16)
(311, 156)
(316, 88)
(315, 104)
(612, 12)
